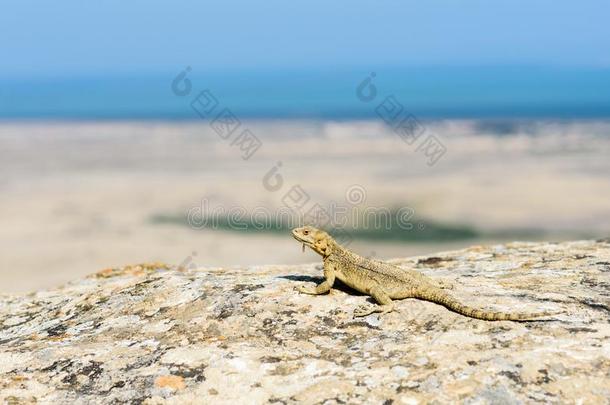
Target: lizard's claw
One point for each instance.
(305, 289)
(363, 310)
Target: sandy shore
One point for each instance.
(79, 197)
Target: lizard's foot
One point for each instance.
(364, 310)
(306, 290)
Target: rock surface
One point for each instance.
(154, 334)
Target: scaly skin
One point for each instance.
(385, 282)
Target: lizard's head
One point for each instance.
(318, 240)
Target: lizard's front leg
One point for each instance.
(381, 297)
(324, 286)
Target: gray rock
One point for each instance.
(154, 334)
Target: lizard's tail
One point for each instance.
(442, 298)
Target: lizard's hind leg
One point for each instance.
(381, 297)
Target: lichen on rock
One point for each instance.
(155, 334)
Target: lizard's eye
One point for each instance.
(305, 232)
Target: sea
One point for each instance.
(339, 94)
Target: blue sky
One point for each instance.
(68, 38)
(452, 58)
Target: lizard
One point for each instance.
(385, 282)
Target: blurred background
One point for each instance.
(198, 133)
